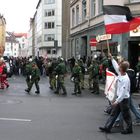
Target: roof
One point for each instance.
(20, 35)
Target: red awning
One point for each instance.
(93, 42)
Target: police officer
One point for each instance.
(95, 77)
(76, 72)
(28, 71)
(35, 78)
(82, 74)
(61, 71)
(90, 78)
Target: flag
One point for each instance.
(110, 87)
(119, 19)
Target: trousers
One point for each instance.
(123, 108)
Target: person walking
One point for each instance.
(121, 104)
(35, 78)
(76, 72)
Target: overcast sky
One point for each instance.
(18, 13)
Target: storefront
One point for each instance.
(134, 47)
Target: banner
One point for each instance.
(110, 87)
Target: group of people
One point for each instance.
(56, 70)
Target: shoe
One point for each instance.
(106, 130)
(74, 93)
(64, 94)
(93, 91)
(27, 90)
(82, 88)
(125, 132)
(56, 92)
(97, 93)
(51, 88)
(7, 86)
(136, 123)
(37, 92)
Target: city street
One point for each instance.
(52, 117)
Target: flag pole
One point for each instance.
(108, 47)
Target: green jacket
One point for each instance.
(76, 71)
(61, 69)
(35, 73)
(95, 70)
(28, 69)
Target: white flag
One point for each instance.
(110, 88)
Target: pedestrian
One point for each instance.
(121, 104)
(35, 78)
(61, 71)
(95, 74)
(3, 74)
(76, 72)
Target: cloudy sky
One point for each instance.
(18, 13)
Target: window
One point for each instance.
(77, 14)
(49, 37)
(49, 25)
(49, 13)
(53, 51)
(49, 1)
(73, 17)
(48, 51)
(100, 8)
(93, 8)
(84, 9)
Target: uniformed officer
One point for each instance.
(28, 71)
(95, 77)
(82, 74)
(61, 71)
(90, 78)
(76, 73)
(105, 65)
(35, 78)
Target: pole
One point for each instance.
(108, 48)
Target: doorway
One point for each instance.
(133, 53)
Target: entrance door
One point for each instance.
(134, 52)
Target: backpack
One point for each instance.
(132, 77)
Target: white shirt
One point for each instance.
(123, 84)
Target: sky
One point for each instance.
(18, 13)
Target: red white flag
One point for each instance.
(118, 19)
(110, 87)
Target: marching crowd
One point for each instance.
(56, 70)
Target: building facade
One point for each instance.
(11, 46)
(86, 23)
(48, 28)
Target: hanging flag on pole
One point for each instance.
(118, 19)
(110, 87)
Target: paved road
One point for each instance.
(51, 117)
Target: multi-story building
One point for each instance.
(48, 28)
(86, 19)
(11, 46)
